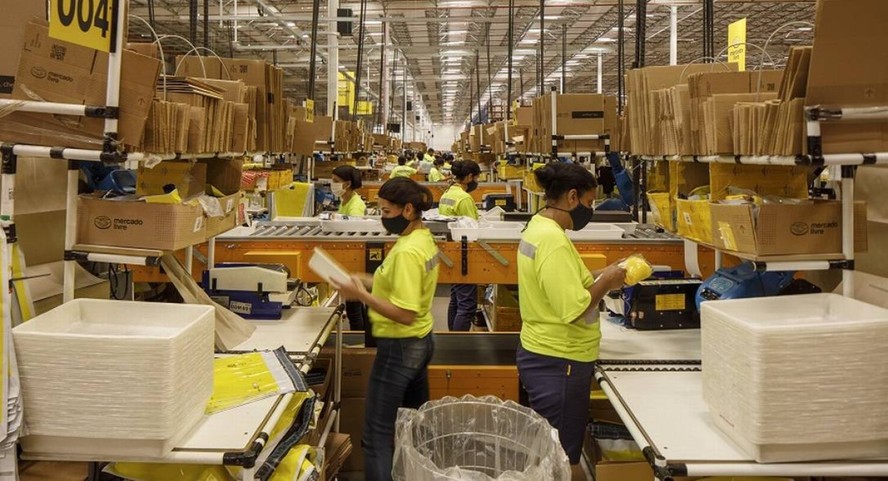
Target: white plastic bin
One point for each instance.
(114, 378)
(486, 230)
(597, 232)
(798, 378)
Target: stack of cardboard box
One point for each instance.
(57, 71)
(270, 108)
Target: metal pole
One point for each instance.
(600, 87)
(312, 63)
(541, 59)
(206, 23)
(673, 36)
(489, 77)
(564, 58)
(511, 47)
(358, 69)
(192, 21)
(478, 83)
(621, 54)
(640, 22)
(384, 87)
(332, 60)
(404, 117)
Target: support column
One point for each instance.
(599, 86)
(332, 59)
(673, 36)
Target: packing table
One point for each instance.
(238, 436)
(654, 381)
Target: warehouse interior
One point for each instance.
(428, 240)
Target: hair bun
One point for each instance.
(545, 176)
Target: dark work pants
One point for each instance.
(463, 306)
(558, 389)
(399, 378)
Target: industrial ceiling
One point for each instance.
(453, 46)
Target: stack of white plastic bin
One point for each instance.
(111, 378)
(798, 378)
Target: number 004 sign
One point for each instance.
(83, 22)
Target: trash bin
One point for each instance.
(477, 439)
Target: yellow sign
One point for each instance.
(364, 107)
(669, 302)
(346, 97)
(309, 110)
(82, 22)
(737, 43)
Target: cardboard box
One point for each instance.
(230, 205)
(504, 313)
(134, 224)
(356, 365)
(814, 228)
(523, 117)
(324, 169)
(16, 15)
(352, 423)
(190, 179)
(777, 180)
(850, 34)
(224, 174)
(58, 71)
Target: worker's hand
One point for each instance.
(612, 277)
(366, 279)
(351, 289)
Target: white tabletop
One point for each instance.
(665, 409)
(296, 330)
(622, 343)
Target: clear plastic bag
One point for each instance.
(477, 439)
(637, 269)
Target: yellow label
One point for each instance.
(309, 110)
(737, 43)
(670, 302)
(727, 235)
(82, 22)
(364, 107)
(375, 254)
(500, 202)
(346, 97)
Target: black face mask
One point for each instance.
(579, 215)
(471, 186)
(395, 225)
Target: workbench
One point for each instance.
(290, 242)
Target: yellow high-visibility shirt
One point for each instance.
(402, 171)
(408, 278)
(553, 292)
(354, 207)
(457, 202)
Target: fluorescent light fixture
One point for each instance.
(453, 43)
(573, 62)
(804, 29)
(457, 32)
(372, 22)
(528, 41)
(291, 24)
(606, 40)
(525, 51)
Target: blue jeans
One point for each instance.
(558, 390)
(463, 306)
(399, 378)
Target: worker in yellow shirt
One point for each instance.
(448, 162)
(400, 301)
(402, 170)
(558, 300)
(458, 202)
(436, 174)
(347, 179)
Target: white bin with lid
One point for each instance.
(798, 378)
(114, 378)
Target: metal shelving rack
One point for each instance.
(113, 152)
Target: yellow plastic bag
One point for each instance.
(297, 465)
(171, 198)
(637, 269)
(246, 378)
(168, 472)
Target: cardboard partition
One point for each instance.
(134, 224)
(356, 366)
(847, 69)
(57, 71)
(16, 15)
(811, 228)
(230, 205)
(190, 179)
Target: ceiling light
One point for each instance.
(528, 41)
(605, 40)
(457, 32)
(372, 22)
(453, 43)
(804, 29)
(291, 24)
